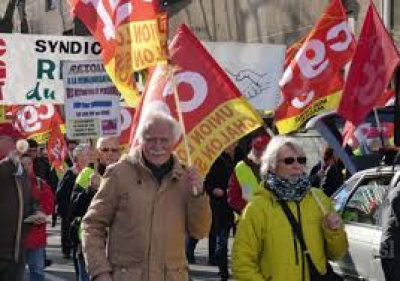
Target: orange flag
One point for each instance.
(312, 82)
(132, 34)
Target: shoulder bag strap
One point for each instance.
(296, 228)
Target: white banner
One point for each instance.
(30, 66)
(255, 68)
(91, 101)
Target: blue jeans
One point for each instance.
(83, 274)
(221, 252)
(35, 262)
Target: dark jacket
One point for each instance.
(43, 170)
(15, 204)
(218, 177)
(390, 243)
(332, 180)
(64, 191)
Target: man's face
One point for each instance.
(71, 147)
(108, 151)
(6, 146)
(27, 163)
(158, 143)
(33, 152)
(86, 157)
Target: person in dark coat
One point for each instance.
(216, 185)
(15, 205)
(79, 208)
(390, 241)
(81, 158)
(326, 174)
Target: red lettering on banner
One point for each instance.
(3, 71)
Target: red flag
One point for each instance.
(215, 113)
(35, 121)
(373, 64)
(57, 148)
(292, 51)
(127, 115)
(132, 34)
(312, 82)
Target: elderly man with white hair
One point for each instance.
(136, 226)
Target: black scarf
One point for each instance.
(159, 172)
(285, 189)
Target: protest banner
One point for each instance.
(91, 101)
(31, 66)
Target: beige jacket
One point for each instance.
(148, 223)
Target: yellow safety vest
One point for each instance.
(247, 180)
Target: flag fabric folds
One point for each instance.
(374, 62)
(132, 34)
(57, 149)
(215, 114)
(35, 121)
(312, 82)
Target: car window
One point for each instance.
(364, 204)
(339, 198)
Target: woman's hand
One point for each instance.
(332, 221)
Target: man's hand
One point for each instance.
(218, 192)
(103, 277)
(196, 180)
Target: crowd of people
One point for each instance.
(139, 216)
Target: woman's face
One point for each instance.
(290, 164)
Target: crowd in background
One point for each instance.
(270, 172)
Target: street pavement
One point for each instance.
(62, 269)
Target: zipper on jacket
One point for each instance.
(152, 215)
(20, 218)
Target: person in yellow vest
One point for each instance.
(107, 153)
(245, 178)
(86, 185)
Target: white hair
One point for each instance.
(80, 150)
(154, 117)
(103, 139)
(269, 158)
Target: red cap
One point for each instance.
(8, 130)
(260, 142)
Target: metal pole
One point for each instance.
(387, 14)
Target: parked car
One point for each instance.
(359, 201)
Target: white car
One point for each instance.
(359, 201)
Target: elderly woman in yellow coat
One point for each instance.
(265, 247)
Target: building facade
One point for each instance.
(262, 21)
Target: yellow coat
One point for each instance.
(265, 248)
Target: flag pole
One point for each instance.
(180, 117)
(379, 126)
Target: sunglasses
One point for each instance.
(290, 160)
(106, 149)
